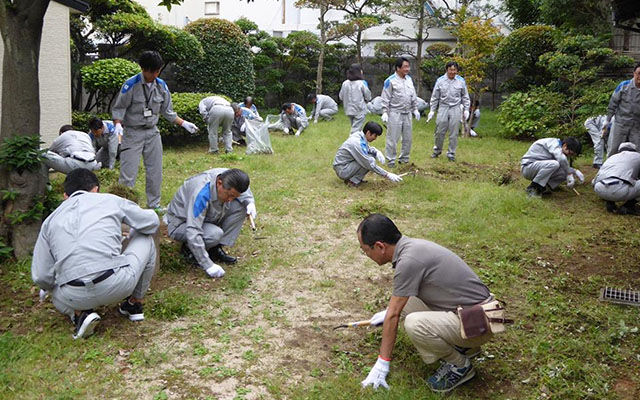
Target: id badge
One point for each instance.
(148, 112)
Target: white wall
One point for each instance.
(54, 72)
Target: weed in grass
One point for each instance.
(200, 350)
(124, 192)
(241, 393)
(172, 303)
(370, 206)
(249, 355)
(162, 395)
(147, 358)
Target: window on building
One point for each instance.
(277, 34)
(211, 8)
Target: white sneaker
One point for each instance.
(85, 324)
(215, 271)
(298, 132)
(286, 130)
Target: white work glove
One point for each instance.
(571, 181)
(385, 117)
(43, 295)
(215, 271)
(251, 210)
(377, 375)
(465, 115)
(431, 114)
(393, 177)
(380, 157)
(579, 175)
(416, 115)
(378, 318)
(315, 121)
(118, 129)
(286, 130)
(298, 132)
(243, 127)
(189, 127)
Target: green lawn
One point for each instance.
(265, 329)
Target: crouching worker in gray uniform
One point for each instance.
(71, 150)
(207, 213)
(429, 283)
(323, 107)
(105, 140)
(546, 164)
(355, 158)
(141, 101)
(617, 179)
(217, 111)
(292, 117)
(78, 256)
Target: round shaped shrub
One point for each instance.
(108, 75)
(226, 65)
(535, 114)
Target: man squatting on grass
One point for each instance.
(207, 213)
(141, 101)
(70, 150)
(78, 256)
(323, 107)
(546, 163)
(355, 158)
(617, 179)
(429, 283)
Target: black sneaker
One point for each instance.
(628, 208)
(596, 166)
(85, 323)
(187, 255)
(133, 311)
(217, 254)
(434, 155)
(611, 206)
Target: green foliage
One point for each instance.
(104, 78)
(80, 119)
(21, 153)
(521, 50)
(5, 251)
(246, 25)
(385, 53)
(534, 114)
(225, 66)
(432, 68)
(173, 303)
(186, 106)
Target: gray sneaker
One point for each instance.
(448, 377)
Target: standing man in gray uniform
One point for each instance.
(448, 93)
(429, 283)
(355, 158)
(399, 101)
(143, 98)
(323, 106)
(105, 141)
(546, 163)
(625, 106)
(596, 127)
(69, 151)
(617, 179)
(207, 213)
(78, 256)
(216, 111)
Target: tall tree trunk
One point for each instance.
(21, 27)
(359, 46)
(420, 40)
(323, 44)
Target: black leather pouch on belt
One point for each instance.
(474, 322)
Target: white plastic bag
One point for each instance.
(258, 140)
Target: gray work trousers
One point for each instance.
(145, 142)
(357, 122)
(399, 127)
(327, 113)
(223, 232)
(67, 164)
(102, 156)
(617, 190)
(129, 280)
(352, 171)
(291, 121)
(547, 172)
(628, 132)
(448, 119)
(598, 145)
(220, 115)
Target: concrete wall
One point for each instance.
(55, 72)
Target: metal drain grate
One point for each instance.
(620, 296)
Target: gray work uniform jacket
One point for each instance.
(547, 149)
(625, 104)
(74, 144)
(357, 149)
(450, 93)
(206, 104)
(195, 203)
(108, 140)
(399, 95)
(596, 123)
(354, 95)
(323, 102)
(375, 105)
(83, 236)
(136, 96)
(624, 166)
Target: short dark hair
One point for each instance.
(354, 73)
(150, 61)
(311, 97)
(80, 179)
(372, 127)
(573, 144)
(236, 179)
(378, 228)
(636, 67)
(248, 99)
(286, 106)
(95, 123)
(65, 128)
(452, 64)
(399, 62)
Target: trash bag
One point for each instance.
(258, 140)
(274, 123)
